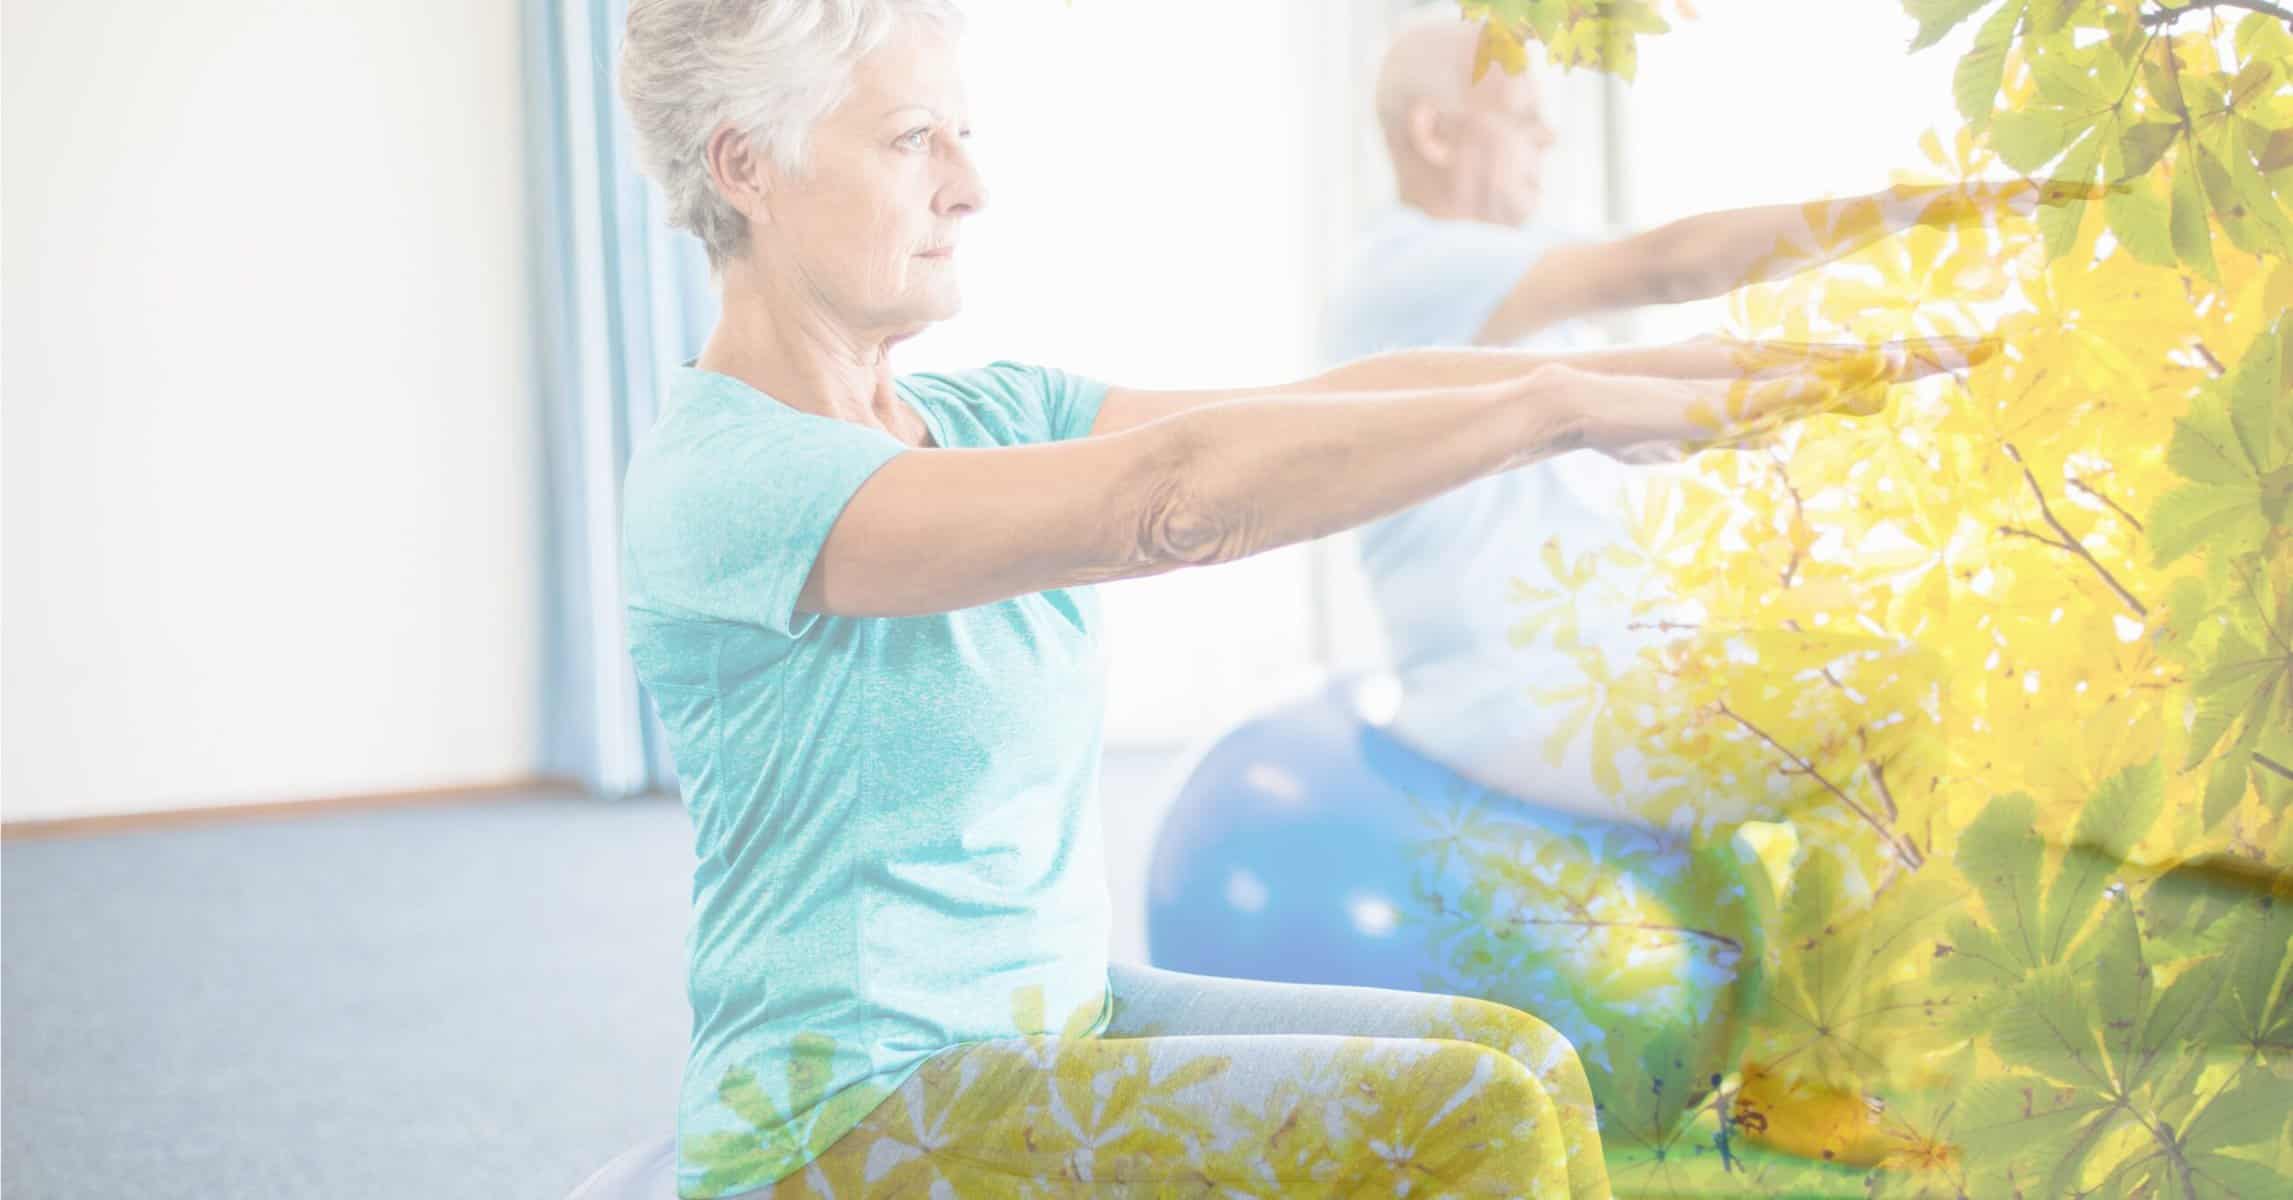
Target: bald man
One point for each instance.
(1462, 260)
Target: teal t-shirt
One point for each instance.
(895, 819)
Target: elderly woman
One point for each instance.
(862, 602)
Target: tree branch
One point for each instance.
(1879, 780)
(2113, 505)
(2210, 361)
(2167, 16)
(2070, 542)
(1442, 908)
(1798, 516)
(1647, 926)
(1903, 848)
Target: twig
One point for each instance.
(2069, 542)
(1904, 850)
(2167, 16)
(2113, 505)
(1798, 516)
(1879, 780)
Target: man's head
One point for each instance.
(1461, 150)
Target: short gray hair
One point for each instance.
(772, 69)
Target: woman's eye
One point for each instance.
(915, 137)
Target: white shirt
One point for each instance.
(1441, 575)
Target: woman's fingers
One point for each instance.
(1648, 419)
(1720, 413)
(1753, 411)
(1849, 364)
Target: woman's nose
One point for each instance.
(964, 191)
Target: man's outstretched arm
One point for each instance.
(1711, 254)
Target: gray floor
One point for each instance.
(480, 1000)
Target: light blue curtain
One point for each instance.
(620, 298)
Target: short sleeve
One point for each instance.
(1021, 403)
(1429, 283)
(1070, 401)
(724, 518)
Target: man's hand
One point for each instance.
(1939, 206)
(1712, 254)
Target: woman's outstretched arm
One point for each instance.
(1418, 371)
(937, 530)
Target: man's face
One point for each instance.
(1501, 148)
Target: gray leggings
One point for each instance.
(1203, 1086)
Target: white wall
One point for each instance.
(1832, 107)
(268, 444)
(1172, 188)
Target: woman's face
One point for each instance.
(870, 226)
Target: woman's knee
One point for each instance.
(1494, 1101)
(1544, 1050)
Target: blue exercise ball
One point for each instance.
(1310, 846)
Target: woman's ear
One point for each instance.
(738, 172)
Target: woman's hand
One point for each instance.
(1754, 390)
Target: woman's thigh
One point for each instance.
(1266, 1115)
(1152, 1002)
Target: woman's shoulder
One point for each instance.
(1003, 381)
(1007, 402)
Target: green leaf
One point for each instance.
(2261, 36)
(744, 1095)
(2186, 518)
(2000, 854)
(2247, 227)
(2016, 1122)
(2065, 76)
(2240, 1178)
(2205, 448)
(2048, 1027)
(2192, 228)
(2277, 153)
(2227, 784)
(2060, 223)
(2225, 692)
(2051, 16)
(2161, 80)
(2258, 77)
(1938, 17)
(2120, 812)
(2177, 1019)
(2030, 138)
(2256, 400)
(2255, 1109)
(2138, 220)
(2079, 882)
(1976, 81)
(2145, 143)
(2120, 975)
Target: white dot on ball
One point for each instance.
(1372, 915)
(1279, 782)
(1244, 891)
(1377, 699)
